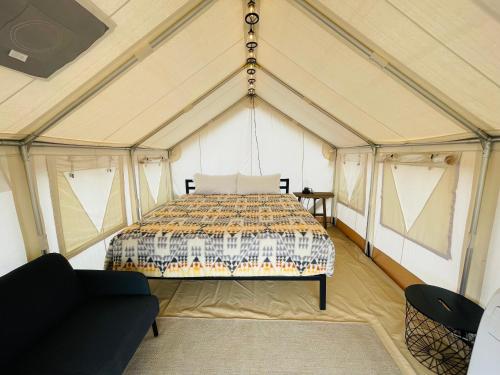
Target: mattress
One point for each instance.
(225, 236)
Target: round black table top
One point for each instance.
(446, 307)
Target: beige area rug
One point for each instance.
(358, 292)
(237, 346)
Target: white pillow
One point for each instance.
(269, 184)
(207, 184)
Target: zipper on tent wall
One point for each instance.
(35, 204)
(475, 216)
(370, 214)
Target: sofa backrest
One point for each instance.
(33, 299)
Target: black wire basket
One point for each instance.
(440, 349)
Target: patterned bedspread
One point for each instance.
(225, 235)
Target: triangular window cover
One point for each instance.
(352, 172)
(413, 193)
(92, 187)
(152, 171)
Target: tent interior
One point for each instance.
(389, 107)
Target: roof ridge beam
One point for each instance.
(392, 70)
(117, 72)
(190, 106)
(318, 107)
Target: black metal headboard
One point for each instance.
(284, 185)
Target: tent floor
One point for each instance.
(358, 292)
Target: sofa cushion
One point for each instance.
(34, 298)
(99, 337)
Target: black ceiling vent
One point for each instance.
(38, 37)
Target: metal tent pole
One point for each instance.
(134, 182)
(475, 215)
(35, 204)
(334, 199)
(371, 202)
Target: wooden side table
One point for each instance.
(323, 195)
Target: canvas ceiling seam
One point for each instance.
(190, 106)
(177, 25)
(317, 106)
(435, 38)
(179, 86)
(389, 129)
(296, 122)
(206, 123)
(239, 99)
(119, 8)
(10, 96)
(396, 73)
(81, 100)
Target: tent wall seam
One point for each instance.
(391, 69)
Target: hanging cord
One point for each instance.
(302, 166)
(199, 149)
(255, 132)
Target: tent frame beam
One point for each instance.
(137, 201)
(305, 128)
(89, 94)
(295, 122)
(391, 69)
(35, 203)
(190, 106)
(196, 131)
(178, 25)
(318, 107)
(370, 214)
(478, 200)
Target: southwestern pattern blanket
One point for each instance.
(225, 235)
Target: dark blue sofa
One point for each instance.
(56, 320)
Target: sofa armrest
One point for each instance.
(109, 283)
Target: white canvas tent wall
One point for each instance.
(371, 75)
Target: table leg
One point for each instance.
(324, 213)
(314, 207)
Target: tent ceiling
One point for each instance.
(454, 55)
(363, 95)
(204, 112)
(23, 100)
(453, 44)
(295, 107)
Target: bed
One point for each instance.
(227, 237)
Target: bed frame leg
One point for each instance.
(155, 329)
(322, 292)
